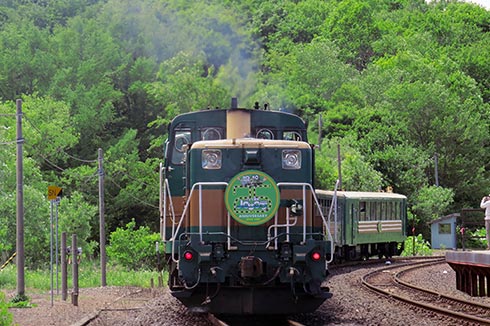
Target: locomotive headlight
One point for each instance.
(291, 159)
(211, 159)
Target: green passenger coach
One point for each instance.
(365, 224)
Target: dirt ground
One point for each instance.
(61, 313)
(351, 304)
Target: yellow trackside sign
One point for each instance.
(54, 192)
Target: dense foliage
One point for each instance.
(133, 248)
(6, 318)
(394, 83)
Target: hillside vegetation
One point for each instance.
(396, 83)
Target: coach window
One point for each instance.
(368, 211)
(391, 211)
(182, 138)
(378, 211)
(373, 212)
(397, 211)
(362, 211)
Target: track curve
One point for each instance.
(388, 282)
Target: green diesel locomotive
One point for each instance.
(244, 230)
(237, 213)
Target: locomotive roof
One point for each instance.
(250, 142)
(361, 194)
(273, 117)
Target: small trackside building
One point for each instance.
(443, 232)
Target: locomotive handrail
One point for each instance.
(276, 225)
(175, 230)
(165, 192)
(326, 223)
(184, 212)
(333, 207)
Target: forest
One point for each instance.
(400, 86)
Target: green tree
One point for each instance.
(131, 185)
(430, 203)
(357, 173)
(76, 216)
(26, 64)
(352, 25)
(133, 248)
(88, 61)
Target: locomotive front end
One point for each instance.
(246, 241)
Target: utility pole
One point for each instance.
(339, 166)
(320, 126)
(20, 205)
(436, 168)
(102, 220)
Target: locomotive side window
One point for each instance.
(182, 138)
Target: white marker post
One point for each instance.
(54, 197)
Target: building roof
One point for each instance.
(445, 218)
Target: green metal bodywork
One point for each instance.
(350, 223)
(242, 262)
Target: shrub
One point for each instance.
(416, 246)
(133, 248)
(6, 318)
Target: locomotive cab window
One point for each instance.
(291, 135)
(264, 134)
(182, 138)
(211, 134)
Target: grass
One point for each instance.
(89, 275)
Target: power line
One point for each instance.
(131, 178)
(9, 143)
(51, 163)
(59, 149)
(130, 195)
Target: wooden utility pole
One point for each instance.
(436, 168)
(20, 206)
(339, 166)
(64, 268)
(74, 263)
(102, 220)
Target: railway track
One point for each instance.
(252, 320)
(118, 310)
(117, 313)
(388, 281)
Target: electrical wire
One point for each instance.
(59, 149)
(87, 178)
(130, 195)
